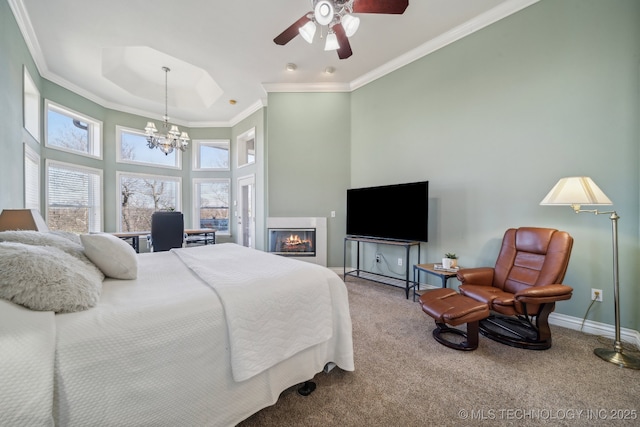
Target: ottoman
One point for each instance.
(448, 307)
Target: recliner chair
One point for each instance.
(523, 287)
(167, 231)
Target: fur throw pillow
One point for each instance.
(52, 239)
(46, 278)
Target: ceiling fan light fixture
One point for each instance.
(332, 42)
(350, 24)
(324, 12)
(307, 31)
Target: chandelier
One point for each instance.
(171, 137)
(330, 13)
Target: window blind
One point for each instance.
(31, 178)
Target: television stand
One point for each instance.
(377, 277)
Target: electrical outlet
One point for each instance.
(596, 294)
(400, 262)
(378, 258)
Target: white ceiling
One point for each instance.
(228, 43)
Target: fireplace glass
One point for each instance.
(298, 242)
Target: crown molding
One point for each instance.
(24, 23)
(307, 87)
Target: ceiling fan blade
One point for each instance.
(290, 33)
(344, 51)
(380, 6)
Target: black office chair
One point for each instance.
(167, 231)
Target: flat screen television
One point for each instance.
(395, 212)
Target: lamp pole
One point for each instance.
(616, 355)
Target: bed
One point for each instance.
(202, 336)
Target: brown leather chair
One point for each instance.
(523, 287)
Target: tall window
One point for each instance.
(73, 198)
(211, 200)
(131, 147)
(142, 195)
(31, 178)
(211, 155)
(68, 130)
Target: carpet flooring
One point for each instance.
(403, 377)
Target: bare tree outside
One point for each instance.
(140, 197)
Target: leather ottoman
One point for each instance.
(448, 307)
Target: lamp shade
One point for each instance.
(350, 24)
(576, 191)
(332, 42)
(307, 31)
(22, 219)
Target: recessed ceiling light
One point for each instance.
(291, 66)
(329, 70)
(233, 102)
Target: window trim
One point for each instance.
(119, 175)
(32, 101)
(119, 159)
(95, 134)
(75, 166)
(243, 151)
(195, 199)
(212, 143)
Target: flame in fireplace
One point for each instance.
(295, 240)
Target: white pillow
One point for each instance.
(115, 257)
(46, 278)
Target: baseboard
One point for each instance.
(595, 328)
(590, 327)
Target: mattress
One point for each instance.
(156, 352)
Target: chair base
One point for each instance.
(471, 335)
(516, 332)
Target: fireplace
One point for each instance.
(299, 242)
(300, 238)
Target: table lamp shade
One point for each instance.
(22, 219)
(576, 190)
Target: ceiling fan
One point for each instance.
(337, 15)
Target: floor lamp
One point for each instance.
(581, 190)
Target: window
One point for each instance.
(211, 204)
(142, 195)
(31, 178)
(70, 131)
(131, 147)
(32, 105)
(247, 148)
(210, 155)
(73, 198)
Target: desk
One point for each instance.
(133, 236)
(194, 235)
(201, 235)
(444, 275)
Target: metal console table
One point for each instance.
(377, 277)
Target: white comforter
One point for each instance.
(27, 348)
(155, 351)
(274, 306)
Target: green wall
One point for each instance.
(13, 54)
(495, 119)
(308, 154)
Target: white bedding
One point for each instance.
(155, 351)
(274, 307)
(27, 348)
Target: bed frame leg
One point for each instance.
(307, 388)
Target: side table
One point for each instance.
(444, 275)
